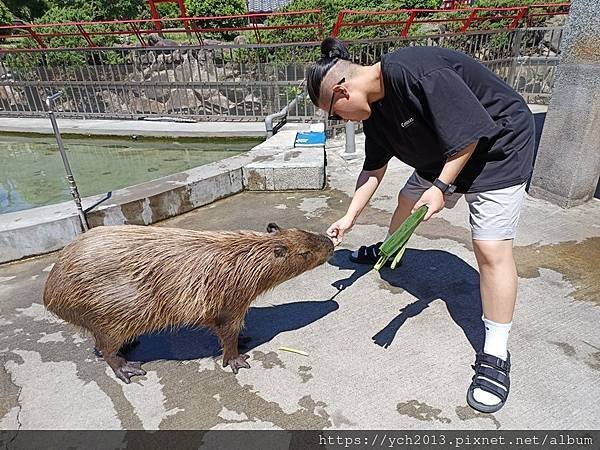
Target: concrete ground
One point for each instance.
(385, 350)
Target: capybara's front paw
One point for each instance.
(237, 363)
(128, 370)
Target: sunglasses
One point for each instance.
(334, 116)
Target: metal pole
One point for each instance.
(350, 149)
(272, 129)
(70, 179)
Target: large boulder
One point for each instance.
(189, 70)
(159, 93)
(216, 101)
(184, 101)
(113, 103)
(142, 105)
(11, 95)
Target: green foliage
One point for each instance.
(6, 17)
(205, 8)
(75, 11)
(508, 3)
(330, 10)
(27, 10)
(59, 15)
(120, 9)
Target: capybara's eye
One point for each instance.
(304, 254)
(280, 251)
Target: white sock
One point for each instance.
(496, 343)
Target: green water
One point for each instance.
(32, 173)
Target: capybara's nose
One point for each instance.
(330, 247)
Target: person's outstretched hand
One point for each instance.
(434, 199)
(337, 230)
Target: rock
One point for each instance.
(217, 100)
(240, 39)
(154, 40)
(189, 70)
(556, 21)
(251, 98)
(248, 108)
(431, 28)
(144, 58)
(533, 87)
(552, 40)
(142, 105)
(113, 103)
(169, 57)
(159, 93)
(184, 100)
(11, 95)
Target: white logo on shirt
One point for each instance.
(408, 122)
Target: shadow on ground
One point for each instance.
(262, 325)
(427, 275)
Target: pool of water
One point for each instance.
(32, 173)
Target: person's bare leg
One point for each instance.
(498, 279)
(403, 209)
(498, 287)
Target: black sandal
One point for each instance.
(488, 367)
(367, 254)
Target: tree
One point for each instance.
(27, 10)
(218, 8)
(6, 17)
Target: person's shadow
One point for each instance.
(262, 324)
(428, 275)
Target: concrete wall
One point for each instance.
(568, 162)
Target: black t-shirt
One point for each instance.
(437, 101)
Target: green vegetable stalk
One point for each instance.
(396, 243)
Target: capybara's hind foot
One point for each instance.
(124, 369)
(237, 363)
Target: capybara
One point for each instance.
(119, 282)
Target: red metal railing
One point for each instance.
(155, 15)
(139, 28)
(462, 18)
(465, 17)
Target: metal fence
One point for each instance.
(235, 82)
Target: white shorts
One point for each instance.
(494, 215)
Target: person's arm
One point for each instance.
(366, 185)
(434, 197)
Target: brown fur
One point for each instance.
(120, 282)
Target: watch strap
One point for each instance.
(446, 189)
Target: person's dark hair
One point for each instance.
(332, 50)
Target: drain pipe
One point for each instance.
(271, 130)
(70, 179)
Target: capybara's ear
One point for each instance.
(280, 251)
(273, 228)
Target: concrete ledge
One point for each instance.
(291, 169)
(25, 233)
(152, 128)
(271, 165)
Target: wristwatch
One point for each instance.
(447, 189)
